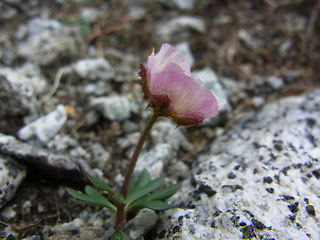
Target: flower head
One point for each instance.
(173, 92)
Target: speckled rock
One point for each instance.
(116, 108)
(46, 127)
(259, 180)
(155, 160)
(11, 175)
(51, 46)
(60, 166)
(16, 94)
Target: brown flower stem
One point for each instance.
(121, 217)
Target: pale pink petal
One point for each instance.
(167, 54)
(188, 98)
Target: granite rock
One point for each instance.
(11, 175)
(52, 46)
(46, 127)
(58, 166)
(259, 180)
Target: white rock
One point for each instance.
(142, 223)
(46, 127)
(184, 4)
(259, 180)
(38, 25)
(11, 175)
(166, 30)
(93, 69)
(116, 108)
(155, 159)
(90, 14)
(184, 48)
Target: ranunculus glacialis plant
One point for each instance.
(173, 92)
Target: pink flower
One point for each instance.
(173, 92)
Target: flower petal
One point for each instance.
(189, 99)
(167, 54)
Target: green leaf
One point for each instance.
(143, 179)
(139, 238)
(144, 202)
(119, 236)
(140, 192)
(164, 193)
(11, 237)
(92, 196)
(156, 205)
(97, 182)
(100, 184)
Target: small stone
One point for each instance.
(258, 101)
(184, 48)
(184, 4)
(94, 69)
(11, 175)
(90, 14)
(142, 223)
(37, 25)
(155, 159)
(115, 108)
(275, 82)
(52, 46)
(179, 26)
(46, 127)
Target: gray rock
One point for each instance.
(167, 132)
(98, 88)
(136, 9)
(155, 160)
(184, 48)
(184, 4)
(7, 50)
(177, 28)
(115, 108)
(90, 14)
(275, 82)
(11, 175)
(144, 221)
(211, 81)
(259, 180)
(52, 46)
(38, 25)
(94, 69)
(292, 75)
(267, 85)
(246, 37)
(58, 166)
(46, 127)
(16, 94)
(235, 90)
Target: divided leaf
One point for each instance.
(164, 193)
(103, 186)
(92, 196)
(119, 236)
(139, 192)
